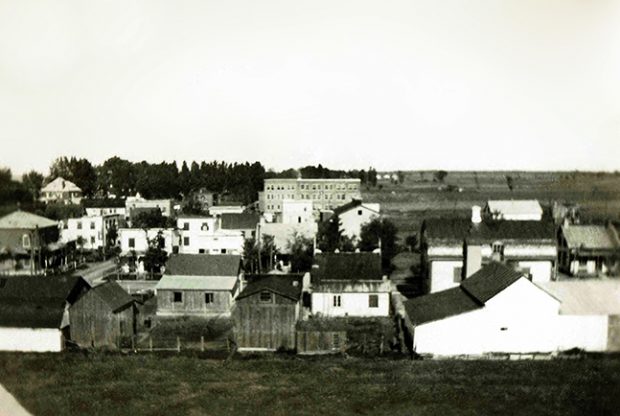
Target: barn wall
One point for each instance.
(31, 339)
(93, 324)
(352, 304)
(193, 302)
(265, 325)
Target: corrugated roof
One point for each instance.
(589, 237)
(243, 221)
(203, 265)
(586, 297)
(114, 295)
(197, 283)
(61, 185)
(515, 207)
(287, 285)
(440, 305)
(489, 281)
(25, 220)
(36, 301)
(346, 266)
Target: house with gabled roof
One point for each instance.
(589, 250)
(497, 309)
(353, 215)
(246, 223)
(198, 285)
(34, 311)
(29, 244)
(266, 312)
(61, 191)
(455, 248)
(105, 316)
(514, 210)
(349, 284)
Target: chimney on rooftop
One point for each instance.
(476, 218)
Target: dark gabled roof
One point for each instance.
(488, 231)
(346, 266)
(104, 203)
(243, 221)
(489, 281)
(512, 230)
(592, 237)
(114, 295)
(348, 206)
(37, 301)
(440, 305)
(446, 228)
(203, 265)
(287, 285)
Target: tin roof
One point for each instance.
(61, 185)
(346, 266)
(287, 285)
(25, 220)
(589, 237)
(197, 283)
(511, 208)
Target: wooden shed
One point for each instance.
(105, 316)
(321, 336)
(266, 312)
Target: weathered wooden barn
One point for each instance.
(321, 336)
(266, 312)
(105, 316)
(34, 311)
(198, 285)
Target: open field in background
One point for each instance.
(173, 384)
(420, 197)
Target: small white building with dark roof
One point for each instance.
(589, 250)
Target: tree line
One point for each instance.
(239, 182)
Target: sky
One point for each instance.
(451, 84)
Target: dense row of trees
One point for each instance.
(239, 182)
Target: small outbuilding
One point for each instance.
(105, 316)
(266, 312)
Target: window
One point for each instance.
(132, 242)
(373, 301)
(223, 251)
(92, 225)
(458, 275)
(79, 225)
(208, 298)
(359, 212)
(25, 241)
(186, 241)
(299, 220)
(177, 297)
(186, 226)
(265, 297)
(201, 251)
(337, 301)
(92, 240)
(205, 226)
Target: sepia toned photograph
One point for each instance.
(345, 207)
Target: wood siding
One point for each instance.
(265, 325)
(93, 324)
(320, 341)
(193, 302)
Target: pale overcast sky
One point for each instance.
(452, 84)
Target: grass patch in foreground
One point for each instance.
(112, 384)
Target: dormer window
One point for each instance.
(498, 250)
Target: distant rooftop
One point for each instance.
(25, 220)
(590, 237)
(203, 265)
(61, 185)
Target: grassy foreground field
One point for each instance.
(99, 384)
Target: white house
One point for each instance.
(297, 212)
(203, 235)
(105, 209)
(349, 284)
(498, 310)
(61, 190)
(284, 234)
(92, 229)
(354, 215)
(137, 239)
(514, 210)
(34, 311)
(454, 248)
